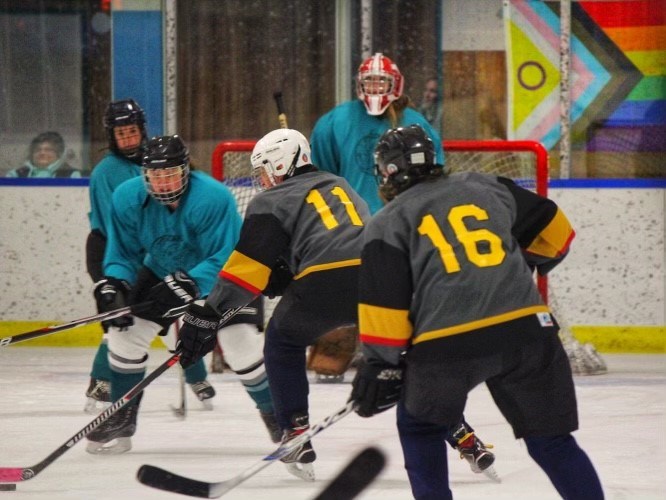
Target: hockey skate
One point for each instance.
(204, 393)
(113, 436)
(299, 461)
(476, 453)
(271, 424)
(99, 396)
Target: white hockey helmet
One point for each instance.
(378, 83)
(277, 155)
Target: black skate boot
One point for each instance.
(299, 461)
(271, 424)
(474, 451)
(99, 396)
(120, 427)
(204, 393)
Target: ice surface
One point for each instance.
(622, 419)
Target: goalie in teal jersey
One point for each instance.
(170, 232)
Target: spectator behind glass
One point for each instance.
(46, 158)
(431, 104)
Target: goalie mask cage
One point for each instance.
(526, 162)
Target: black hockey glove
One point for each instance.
(198, 335)
(280, 278)
(376, 388)
(169, 298)
(111, 294)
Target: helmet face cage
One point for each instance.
(403, 157)
(378, 83)
(122, 113)
(166, 169)
(277, 155)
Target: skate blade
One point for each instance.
(301, 471)
(94, 407)
(114, 447)
(491, 474)
(330, 379)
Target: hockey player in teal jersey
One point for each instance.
(313, 221)
(460, 307)
(170, 232)
(343, 140)
(125, 125)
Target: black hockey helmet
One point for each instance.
(166, 168)
(404, 156)
(120, 113)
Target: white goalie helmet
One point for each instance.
(277, 155)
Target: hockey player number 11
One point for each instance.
(469, 238)
(315, 198)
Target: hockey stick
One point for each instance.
(48, 330)
(16, 474)
(282, 117)
(168, 481)
(181, 410)
(355, 477)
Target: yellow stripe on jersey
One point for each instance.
(325, 267)
(554, 240)
(384, 325)
(248, 270)
(482, 323)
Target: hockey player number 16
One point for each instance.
(315, 198)
(468, 238)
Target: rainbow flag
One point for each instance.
(618, 71)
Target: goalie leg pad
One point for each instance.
(333, 352)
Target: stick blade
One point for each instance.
(162, 479)
(356, 476)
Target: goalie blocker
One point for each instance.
(333, 352)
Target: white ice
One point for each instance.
(622, 427)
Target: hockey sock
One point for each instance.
(100, 368)
(285, 367)
(121, 383)
(196, 373)
(566, 465)
(425, 457)
(255, 381)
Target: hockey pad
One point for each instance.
(333, 352)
